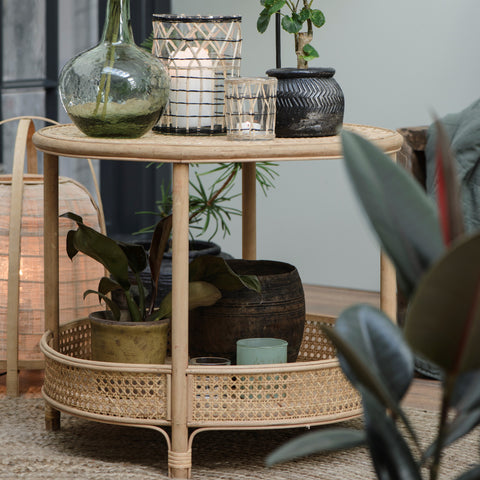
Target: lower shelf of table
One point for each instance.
(311, 391)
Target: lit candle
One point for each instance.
(192, 88)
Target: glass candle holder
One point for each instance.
(200, 52)
(215, 361)
(259, 351)
(250, 108)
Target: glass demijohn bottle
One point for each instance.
(115, 89)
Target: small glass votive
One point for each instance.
(260, 351)
(210, 361)
(250, 108)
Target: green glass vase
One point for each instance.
(115, 89)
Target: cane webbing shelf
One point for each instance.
(311, 391)
(187, 398)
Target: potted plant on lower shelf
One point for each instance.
(133, 330)
(310, 103)
(438, 269)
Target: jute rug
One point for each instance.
(85, 450)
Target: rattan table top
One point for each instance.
(67, 140)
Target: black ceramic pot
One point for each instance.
(278, 312)
(310, 103)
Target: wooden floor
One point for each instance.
(424, 393)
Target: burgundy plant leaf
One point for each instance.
(448, 190)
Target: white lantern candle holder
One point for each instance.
(200, 52)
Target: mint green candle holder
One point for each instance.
(260, 351)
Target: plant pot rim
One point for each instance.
(260, 267)
(289, 72)
(99, 314)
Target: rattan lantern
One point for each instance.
(199, 52)
(21, 259)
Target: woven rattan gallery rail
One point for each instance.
(177, 395)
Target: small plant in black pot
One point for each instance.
(310, 103)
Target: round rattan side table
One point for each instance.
(191, 398)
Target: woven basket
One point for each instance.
(21, 257)
(311, 391)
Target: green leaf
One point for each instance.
(276, 6)
(317, 17)
(304, 14)
(263, 21)
(136, 256)
(310, 53)
(459, 427)
(290, 25)
(443, 320)
(71, 250)
(370, 350)
(99, 247)
(216, 271)
(200, 294)
(390, 453)
(380, 344)
(107, 285)
(110, 304)
(400, 212)
(314, 442)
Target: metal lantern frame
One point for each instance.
(199, 53)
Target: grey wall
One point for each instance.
(396, 62)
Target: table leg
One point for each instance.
(388, 288)
(249, 211)
(388, 282)
(180, 458)
(51, 275)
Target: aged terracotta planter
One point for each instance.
(128, 342)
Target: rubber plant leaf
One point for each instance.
(200, 294)
(466, 394)
(380, 343)
(402, 215)
(460, 426)
(390, 453)
(315, 442)
(443, 319)
(215, 270)
(99, 247)
(473, 474)
(158, 247)
(374, 356)
(448, 190)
